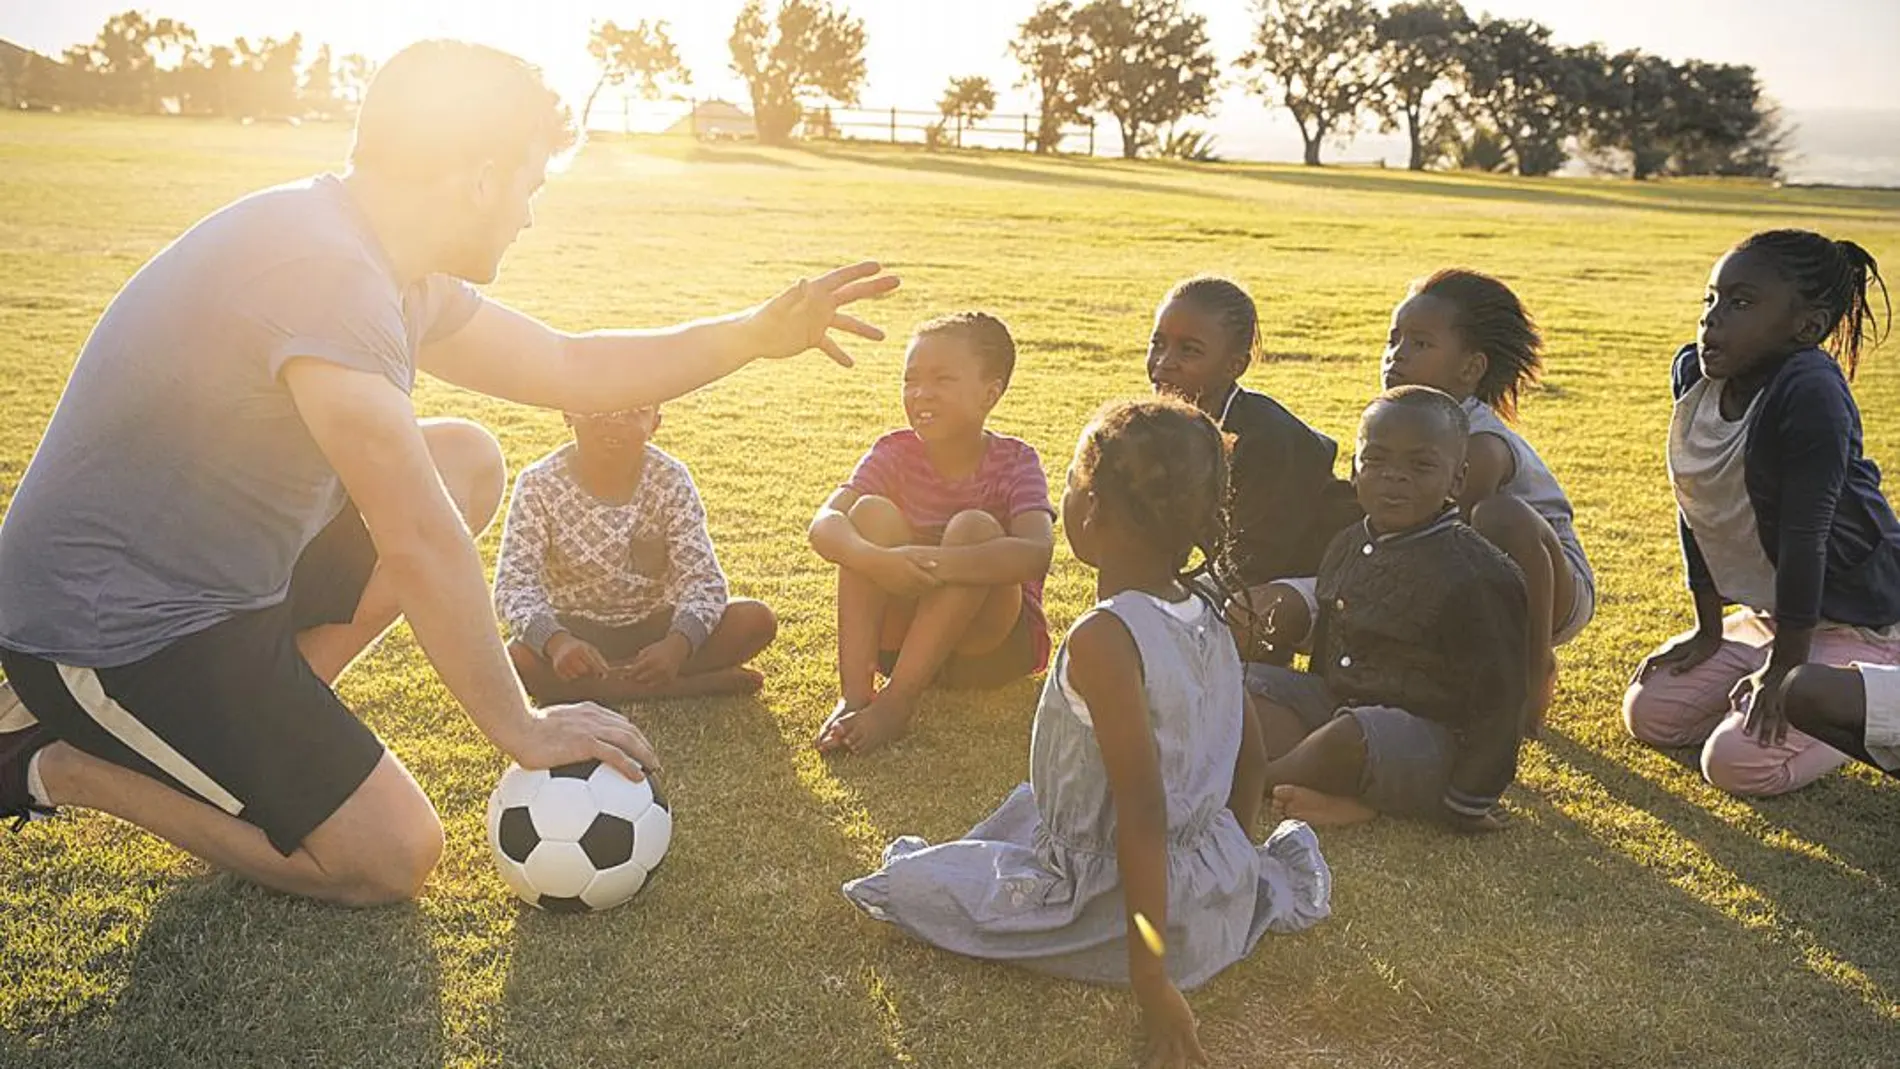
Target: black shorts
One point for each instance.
(619, 642)
(1008, 662)
(233, 714)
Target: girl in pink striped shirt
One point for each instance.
(942, 537)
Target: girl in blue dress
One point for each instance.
(1146, 769)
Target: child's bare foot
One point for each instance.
(863, 730)
(1319, 810)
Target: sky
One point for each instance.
(1819, 54)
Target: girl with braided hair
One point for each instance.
(1782, 517)
(1145, 768)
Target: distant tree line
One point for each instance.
(141, 64)
(1484, 93)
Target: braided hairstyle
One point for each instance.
(1160, 465)
(1836, 276)
(1491, 320)
(985, 335)
(1228, 302)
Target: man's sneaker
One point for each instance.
(16, 753)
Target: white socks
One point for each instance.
(35, 787)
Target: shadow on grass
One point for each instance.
(227, 975)
(1848, 817)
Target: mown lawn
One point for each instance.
(1633, 915)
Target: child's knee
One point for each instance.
(754, 620)
(1512, 526)
(1733, 762)
(1660, 715)
(970, 527)
(879, 520)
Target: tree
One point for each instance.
(1051, 58)
(1319, 58)
(1526, 90)
(205, 81)
(1419, 43)
(353, 73)
(318, 94)
(125, 58)
(967, 101)
(264, 77)
(809, 50)
(1724, 126)
(642, 53)
(1145, 62)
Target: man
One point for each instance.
(235, 497)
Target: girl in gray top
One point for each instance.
(1467, 334)
(1126, 857)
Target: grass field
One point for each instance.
(1633, 916)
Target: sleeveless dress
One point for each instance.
(1036, 883)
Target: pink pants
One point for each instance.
(1694, 708)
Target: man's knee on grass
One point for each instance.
(381, 846)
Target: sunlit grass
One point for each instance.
(1632, 917)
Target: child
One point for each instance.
(608, 582)
(1144, 768)
(1780, 515)
(1287, 505)
(1468, 335)
(1414, 702)
(942, 537)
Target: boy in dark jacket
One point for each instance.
(1412, 704)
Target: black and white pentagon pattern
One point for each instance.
(577, 838)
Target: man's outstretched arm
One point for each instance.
(504, 353)
(367, 429)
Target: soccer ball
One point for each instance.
(577, 838)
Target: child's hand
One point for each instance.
(1278, 622)
(1681, 655)
(573, 659)
(1165, 1015)
(905, 574)
(660, 663)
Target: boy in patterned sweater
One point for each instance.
(608, 582)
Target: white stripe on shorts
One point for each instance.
(1882, 684)
(84, 685)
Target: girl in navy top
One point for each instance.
(1781, 516)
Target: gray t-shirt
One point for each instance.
(176, 485)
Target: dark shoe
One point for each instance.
(16, 753)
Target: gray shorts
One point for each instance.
(1408, 758)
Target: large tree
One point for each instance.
(1724, 125)
(1148, 63)
(1522, 87)
(353, 72)
(125, 57)
(1051, 59)
(810, 49)
(1320, 60)
(1419, 44)
(318, 92)
(642, 53)
(1630, 111)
